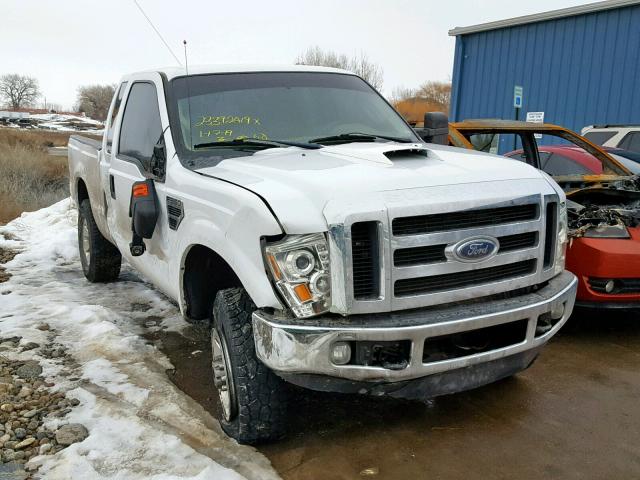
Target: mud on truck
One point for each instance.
(326, 243)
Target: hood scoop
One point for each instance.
(414, 153)
(384, 153)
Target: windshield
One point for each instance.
(280, 106)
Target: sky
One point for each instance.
(68, 43)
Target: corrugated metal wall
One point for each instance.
(579, 70)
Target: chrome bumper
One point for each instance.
(299, 346)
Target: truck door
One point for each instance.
(107, 151)
(139, 130)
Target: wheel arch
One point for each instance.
(203, 273)
(82, 192)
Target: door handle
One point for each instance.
(112, 186)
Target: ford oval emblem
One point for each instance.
(476, 249)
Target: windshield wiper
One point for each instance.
(359, 137)
(257, 143)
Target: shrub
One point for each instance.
(30, 178)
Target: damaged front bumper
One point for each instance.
(300, 350)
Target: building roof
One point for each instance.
(540, 17)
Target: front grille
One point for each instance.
(419, 255)
(453, 281)
(366, 260)
(620, 285)
(408, 263)
(519, 241)
(441, 222)
(405, 257)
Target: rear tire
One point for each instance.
(100, 259)
(253, 398)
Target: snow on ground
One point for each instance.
(57, 117)
(140, 425)
(67, 123)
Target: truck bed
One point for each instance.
(91, 143)
(84, 176)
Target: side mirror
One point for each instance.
(436, 128)
(143, 210)
(158, 163)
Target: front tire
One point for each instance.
(100, 259)
(253, 398)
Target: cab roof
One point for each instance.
(173, 72)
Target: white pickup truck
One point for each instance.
(327, 243)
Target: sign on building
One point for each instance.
(517, 96)
(536, 117)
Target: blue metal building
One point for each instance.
(579, 65)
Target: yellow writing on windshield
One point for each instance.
(226, 135)
(220, 120)
(217, 135)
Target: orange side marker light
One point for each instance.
(302, 292)
(274, 267)
(141, 190)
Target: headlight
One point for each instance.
(608, 231)
(299, 267)
(561, 244)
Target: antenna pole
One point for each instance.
(186, 61)
(157, 31)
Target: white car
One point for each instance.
(625, 137)
(327, 245)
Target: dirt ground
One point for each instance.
(574, 414)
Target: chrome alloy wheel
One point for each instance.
(223, 376)
(85, 248)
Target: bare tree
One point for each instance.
(359, 64)
(94, 100)
(399, 94)
(437, 93)
(18, 90)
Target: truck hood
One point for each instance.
(298, 183)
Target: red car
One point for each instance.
(563, 160)
(603, 204)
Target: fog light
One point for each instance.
(340, 353)
(610, 285)
(557, 311)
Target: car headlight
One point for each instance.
(561, 244)
(299, 267)
(608, 231)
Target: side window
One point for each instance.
(496, 143)
(114, 114)
(631, 142)
(485, 142)
(519, 155)
(141, 127)
(600, 137)
(544, 157)
(556, 164)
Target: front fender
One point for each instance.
(236, 239)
